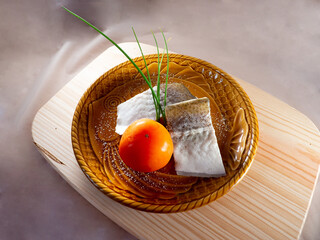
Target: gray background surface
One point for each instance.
(274, 45)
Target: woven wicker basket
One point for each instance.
(230, 106)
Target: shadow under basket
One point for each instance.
(95, 142)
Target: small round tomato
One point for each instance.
(146, 146)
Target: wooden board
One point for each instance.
(270, 202)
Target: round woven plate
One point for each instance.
(95, 143)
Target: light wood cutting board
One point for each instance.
(271, 202)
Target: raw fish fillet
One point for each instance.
(142, 106)
(196, 151)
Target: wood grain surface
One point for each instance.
(270, 202)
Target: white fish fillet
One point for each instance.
(196, 150)
(142, 106)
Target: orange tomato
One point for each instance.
(146, 146)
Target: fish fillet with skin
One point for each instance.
(196, 150)
(142, 106)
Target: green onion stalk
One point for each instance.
(160, 111)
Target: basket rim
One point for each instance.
(167, 208)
